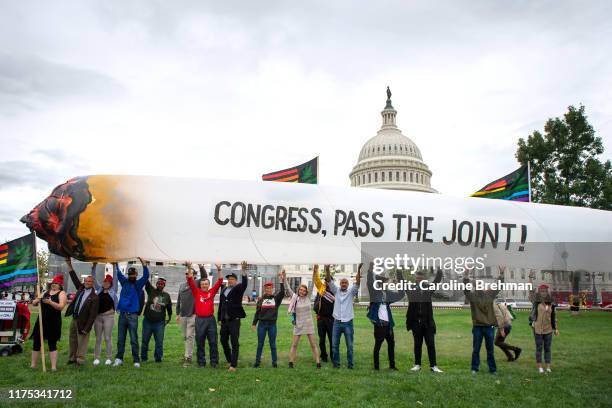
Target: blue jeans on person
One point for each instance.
(264, 327)
(157, 330)
(478, 332)
(340, 328)
(127, 321)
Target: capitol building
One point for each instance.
(389, 160)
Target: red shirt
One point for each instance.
(204, 301)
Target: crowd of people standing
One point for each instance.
(96, 305)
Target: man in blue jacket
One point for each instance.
(128, 309)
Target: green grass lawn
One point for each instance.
(582, 368)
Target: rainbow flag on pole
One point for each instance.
(304, 173)
(18, 264)
(514, 187)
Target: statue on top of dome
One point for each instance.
(388, 94)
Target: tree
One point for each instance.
(43, 262)
(565, 168)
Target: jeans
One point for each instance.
(325, 327)
(206, 329)
(264, 327)
(157, 330)
(230, 329)
(421, 332)
(543, 341)
(127, 321)
(382, 333)
(478, 332)
(340, 328)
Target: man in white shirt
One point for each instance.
(343, 316)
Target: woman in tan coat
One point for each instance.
(543, 321)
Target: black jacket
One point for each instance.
(230, 307)
(420, 310)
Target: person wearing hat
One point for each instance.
(229, 314)
(107, 304)
(379, 313)
(543, 321)
(157, 314)
(53, 302)
(205, 324)
(84, 310)
(265, 317)
(128, 308)
(185, 312)
(420, 320)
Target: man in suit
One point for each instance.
(229, 314)
(84, 310)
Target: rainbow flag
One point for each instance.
(303, 173)
(18, 262)
(513, 187)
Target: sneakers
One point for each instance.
(96, 362)
(290, 364)
(318, 365)
(474, 372)
(548, 370)
(186, 361)
(435, 369)
(231, 369)
(417, 367)
(256, 365)
(274, 365)
(118, 362)
(541, 370)
(136, 365)
(108, 362)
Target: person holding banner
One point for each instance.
(343, 315)
(205, 324)
(128, 308)
(324, 308)
(84, 310)
(379, 313)
(185, 313)
(157, 314)
(420, 320)
(266, 315)
(107, 304)
(53, 302)
(543, 321)
(230, 313)
(300, 309)
(484, 318)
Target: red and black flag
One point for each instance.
(18, 264)
(304, 173)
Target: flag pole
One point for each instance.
(40, 316)
(529, 178)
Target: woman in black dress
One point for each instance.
(53, 302)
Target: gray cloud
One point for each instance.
(30, 82)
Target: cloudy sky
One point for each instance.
(234, 89)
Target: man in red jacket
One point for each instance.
(205, 323)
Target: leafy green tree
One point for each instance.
(565, 164)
